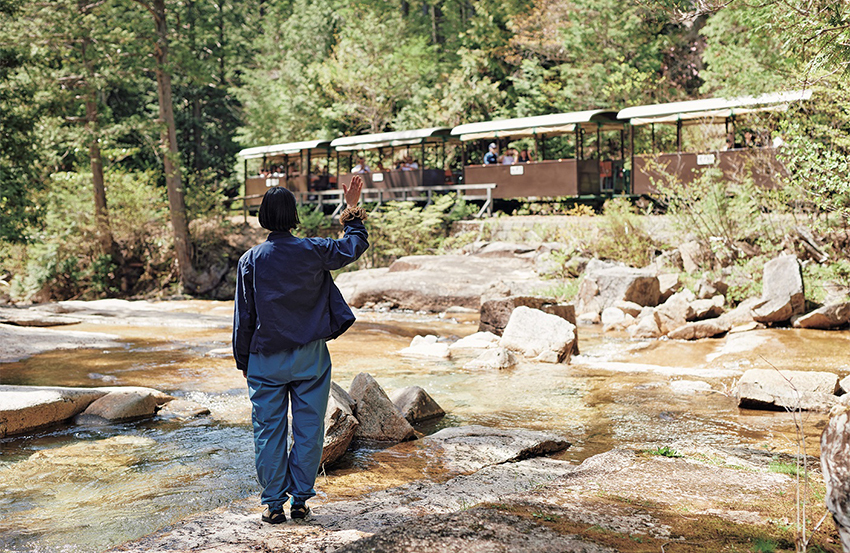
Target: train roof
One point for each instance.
(290, 148)
(552, 124)
(710, 109)
(390, 139)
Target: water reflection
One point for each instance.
(115, 483)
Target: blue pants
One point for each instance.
(301, 377)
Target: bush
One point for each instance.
(622, 236)
(403, 228)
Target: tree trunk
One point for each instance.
(171, 156)
(101, 212)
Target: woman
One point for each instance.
(286, 308)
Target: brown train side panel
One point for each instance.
(542, 178)
(762, 163)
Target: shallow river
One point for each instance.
(75, 488)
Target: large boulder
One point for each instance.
(379, 419)
(539, 335)
(826, 317)
(340, 425)
(783, 294)
(789, 390)
(122, 405)
(668, 284)
(647, 326)
(496, 312)
(675, 312)
(416, 405)
(604, 285)
(694, 256)
(835, 465)
(436, 282)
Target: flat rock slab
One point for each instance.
(826, 317)
(177, 314)
(20, 316)
(22, 342)
(611, 499)
(466, 449)
(436, 283)
(26, 408)
(335, 524)
(792, 390)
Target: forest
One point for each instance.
(120, 120)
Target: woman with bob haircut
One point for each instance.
(287, 306)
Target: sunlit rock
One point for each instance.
(694, 256)
(826, 317)
(183, 409)
(466, 449)
(503, 249)
(496, 312)
(427, 346)
(782, 291)
(707, 289)
(668, 284)
(835, 465)
(629, 307)
(122, 405)
(535, 334)
(706, 308)
(604, 285)
(844, 385)
(674, 312)
(340, 425)
(25, 408)
(416, 405)
(696, 330)
(496, 359)
(791, 390)
(478, 340)
(646, 326)
(378, 417)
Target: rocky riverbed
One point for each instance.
(608, 442)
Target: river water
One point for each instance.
(76, 488)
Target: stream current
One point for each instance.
(88, 488)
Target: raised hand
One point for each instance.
(352, 190)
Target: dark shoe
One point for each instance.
(300, 511)
(274, 517)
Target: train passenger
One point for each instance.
(361, 166)
(412, 163)
(510, 157)
(492, 156)
(524, 156)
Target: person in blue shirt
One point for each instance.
(287, 306)
(492, 155)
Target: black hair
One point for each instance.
(278, 210)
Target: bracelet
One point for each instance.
(351, 213)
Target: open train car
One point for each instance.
(590, 172)
(740, 149)
(298, 166)
(395, 160)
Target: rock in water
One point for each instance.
(828, 316)
(496, 358)
(119, 406)
(495, 313)
(835, 464)
(340, 425)
(25, 408)
(183, 409)
(544, 337)
(775, 389)
(416, 405)
(427, 346)
(379, 419)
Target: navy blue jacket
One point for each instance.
(285, 296)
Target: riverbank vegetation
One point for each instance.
(120, 120)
